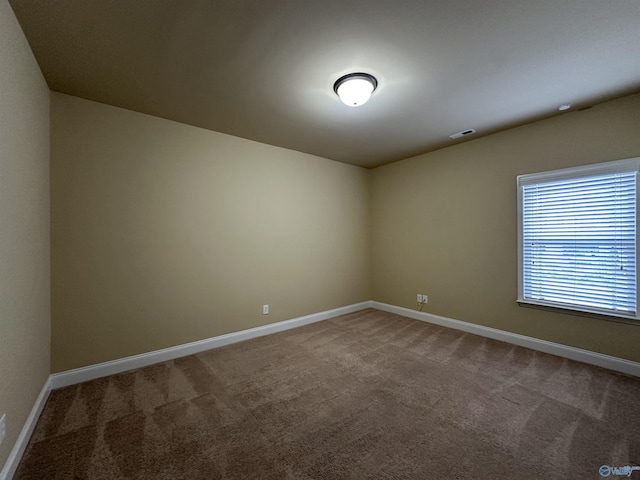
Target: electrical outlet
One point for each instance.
(419, 299)
(265, 309)
(425, 299)
(3, 428)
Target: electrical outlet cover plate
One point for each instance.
(3, 427)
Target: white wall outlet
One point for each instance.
(3, 428)
(419, 299)
(265, 309)
(425, 298)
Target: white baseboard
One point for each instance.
(83, 374)
(586, 356)
(11, 465)
(71, 377)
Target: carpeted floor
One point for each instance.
(369, 395)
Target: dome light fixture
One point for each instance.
(354, 89)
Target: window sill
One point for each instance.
(578, 313)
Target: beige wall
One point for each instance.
(444, 224)
(24, 228)
(163, 233)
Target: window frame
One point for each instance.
(616, 166)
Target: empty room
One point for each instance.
(319, 240)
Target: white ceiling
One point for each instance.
(264, 70)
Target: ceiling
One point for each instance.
(264, 70)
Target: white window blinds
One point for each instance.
(578, 238)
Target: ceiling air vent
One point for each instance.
(464, 133)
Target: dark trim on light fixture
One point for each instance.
(349, 76)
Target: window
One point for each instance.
(577, 238)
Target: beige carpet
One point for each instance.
(368, 395)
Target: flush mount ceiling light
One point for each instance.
(564, 106)
(354, 89)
